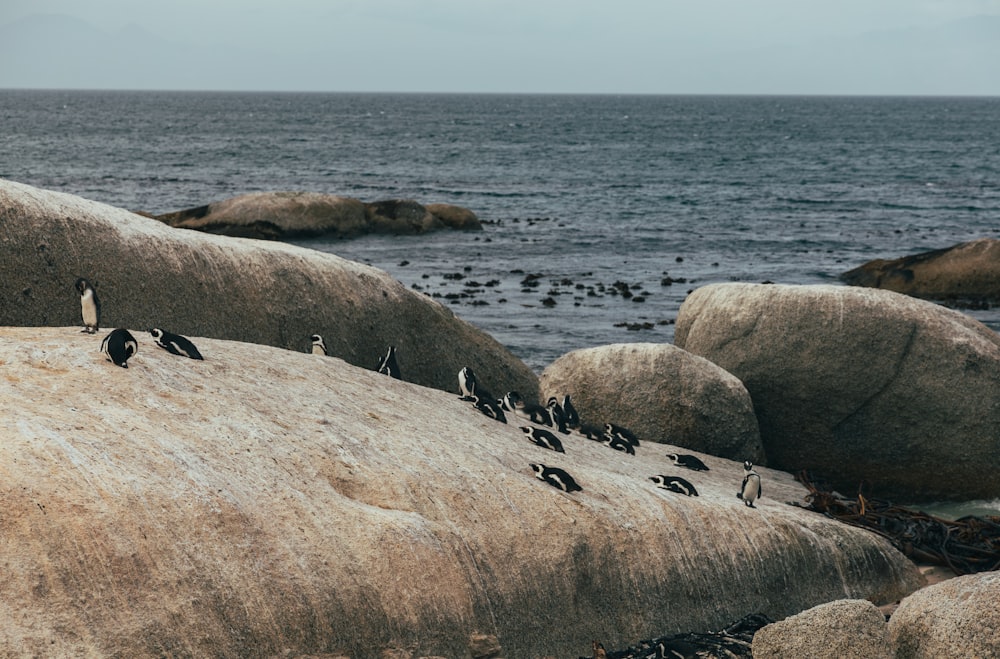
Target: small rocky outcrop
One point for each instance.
(955, 618)
(863, 386)
(844, 628)
(265, 502)
(284, 215)
(967, 274)
(149, 275)
(662, 394)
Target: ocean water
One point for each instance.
(602, 212)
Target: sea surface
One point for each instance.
(601, 212)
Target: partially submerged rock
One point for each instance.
(662, 394)
(149, 275)
(284, 215)
(863, 386)
(967, 274)
(265, 502)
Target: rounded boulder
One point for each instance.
(864, 386)
(662, 394)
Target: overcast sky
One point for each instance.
(559, 46)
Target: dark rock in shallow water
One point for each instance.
(966, 274)
(283, 215)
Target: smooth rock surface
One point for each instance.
(266, 502)
(959, 617)
(860, 385)
(842, 629)
(964, 273)
(149, 275)
(661, 393)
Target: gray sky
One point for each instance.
(557, 46)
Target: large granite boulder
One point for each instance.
(661, 393)
(959, 617)
(149, 275)
(844, 628)
(965, 274)
(272, 503)
(283, 215)
(861, 385)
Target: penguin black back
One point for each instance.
(675, 484)
(175, 343)
(555, 477)
(388, 364)
(543, 438)
(688, 461)
(119, 345)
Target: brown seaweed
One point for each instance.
(964, 546)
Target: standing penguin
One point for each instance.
(119, 345)
(557, 414)
(388, 364)
(89, 305)
(466, 383)
(750, 490)
(572, 416)
(175, 343)
(555, 477)
(318, 346)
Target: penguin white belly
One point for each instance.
(89, 309)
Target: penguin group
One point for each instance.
(387, 364)
(543, 422)
(119, 345)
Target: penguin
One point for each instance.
(557, 414)
(555, 477)
(175, 343)
(619, 444)
(536, 414)
(89, 305)
(511, 401)
(318, 345)
(674, 484)
(689, 461)
(624, 433)
(750, 489)
(489, 407)
(543, 438)
(119, 345)
(466, 383)
(593, 433)
(572, 416)
(388, 364)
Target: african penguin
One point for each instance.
(689, 461)
(89, 305)
(318, 345)
(536, 414)
(466, 383)
(543, 438)
(557, 414)
(489, 407)
(572, 416)
(388, 364)
(674, 484)
(750, 489)
(175, 343)
(624, 433)
(619, 444)
(119, 345)
(511, 401)
(555, 477)
(594, 433)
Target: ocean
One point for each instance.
(601, 212)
